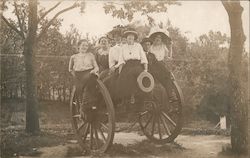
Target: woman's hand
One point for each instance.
(95, 72)
(145, 67)
(73, 73)
(170, 58)
(120, 68)
(112, 69)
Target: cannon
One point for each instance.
(159, 118)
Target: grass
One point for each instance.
(229, 153)
(15, 143)
(143, 148)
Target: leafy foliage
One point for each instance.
(200, 67)
(127, 9)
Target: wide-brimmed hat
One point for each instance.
(130, 31)
(163, 33)
(146, 39)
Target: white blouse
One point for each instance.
(114, 53)
(132, 52)
(159, 51)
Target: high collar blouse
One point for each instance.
(114, 53)
(132, 52)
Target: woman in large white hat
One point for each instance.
(132, 62)
(162, 47)
(162, 44)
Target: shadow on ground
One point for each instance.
(140, 149)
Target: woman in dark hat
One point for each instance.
(132, 62)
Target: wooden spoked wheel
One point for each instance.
(95, 125)
(161, 120)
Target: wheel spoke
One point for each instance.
(144, 113)
(81, 126)
(96, 138)
(165, 126)
(169, 119)
(147, 123)
(76, 116)
(104, 126)
(86, 132)
(91, 137)
(103, 136)
(153, 126)
(159, 127)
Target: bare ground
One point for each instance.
(134, 145)
(57, 141)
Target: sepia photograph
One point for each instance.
(124, 78)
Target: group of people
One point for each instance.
(123, 62)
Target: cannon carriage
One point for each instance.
(159, 118)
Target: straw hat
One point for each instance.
(146, 88)
(130, 31)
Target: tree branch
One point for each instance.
(232, 6)
(226, 5)
(24, 15)
(48, 11)
(51, 21)
(19, 20)
(12, 26)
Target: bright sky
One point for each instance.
(192, 17)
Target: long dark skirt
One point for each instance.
(110, 80)
(162, 74)
(127, 80)
(80, 81)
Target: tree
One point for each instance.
(238, 109)
(28, 13)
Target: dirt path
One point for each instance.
(194, 146)
(201, 146)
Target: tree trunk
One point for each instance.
(32, 120)
(238, 109)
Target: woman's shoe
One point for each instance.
(173, 98)
(132, 99)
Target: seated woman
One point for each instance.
(132, 62)
(81, 66)
(102, 56)
(115, 50)
(157, 52)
